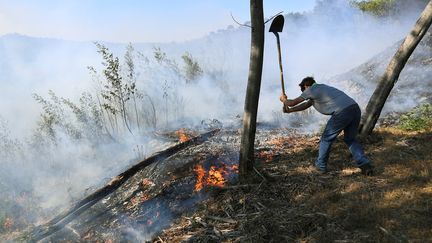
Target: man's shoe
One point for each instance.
(319, 170)
(366, 169)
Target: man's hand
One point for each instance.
(283, 98)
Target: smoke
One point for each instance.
(330, 40)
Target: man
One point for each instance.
(345, 116)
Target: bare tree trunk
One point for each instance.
(246, 161)
(379, 97)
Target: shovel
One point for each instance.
(276, 27)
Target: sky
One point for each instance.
(131, 20)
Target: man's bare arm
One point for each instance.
(288, 102)
(299, 107)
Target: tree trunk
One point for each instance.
(379, 97)
(246, 161)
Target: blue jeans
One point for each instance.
(347, 120)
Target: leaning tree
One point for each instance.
(391, 75)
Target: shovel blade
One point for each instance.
(277, 24)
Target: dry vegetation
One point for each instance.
(287, 201)
(296, 205)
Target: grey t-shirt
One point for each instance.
(326, 99)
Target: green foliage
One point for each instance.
(87, 115)
(118, 105)
(419, 118)
(62, 116)
(130, 65)
(192, 69)
(159, 55)
(376, 7)
(52, 115)
(116, 92)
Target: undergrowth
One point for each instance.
(419, 118)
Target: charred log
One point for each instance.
(42, 231)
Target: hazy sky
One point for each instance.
(130, 20)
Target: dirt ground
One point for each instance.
(288, 202)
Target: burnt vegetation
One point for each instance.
(193, 194)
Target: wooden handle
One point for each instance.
(280, 63)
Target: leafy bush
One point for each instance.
(419, 118)
(78, 121)
(192, 69)
(376, 7)
(386, 8)
(123, 101)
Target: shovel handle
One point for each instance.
(280, 62)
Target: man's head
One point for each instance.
(306, 82)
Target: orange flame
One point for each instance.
(183, 136)
(216, 176)
(199, 169)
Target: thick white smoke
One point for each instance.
(330, 40)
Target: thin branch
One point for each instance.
(273, 17)
(245, 25)
(265, 179)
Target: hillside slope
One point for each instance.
(413, 86)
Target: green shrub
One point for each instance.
(192, 68)
(376, 7)
(419, 118)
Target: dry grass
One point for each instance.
(395, 205)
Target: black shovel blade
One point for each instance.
(277, 24)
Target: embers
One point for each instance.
(266, 156)
(185, 135)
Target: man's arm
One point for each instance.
(299, 107)
(293, 102)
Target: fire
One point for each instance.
(183, 136)
(199, 169)
(215, 176)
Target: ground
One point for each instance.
(285, 202)
(294, 204)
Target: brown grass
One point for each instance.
(395, 205)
